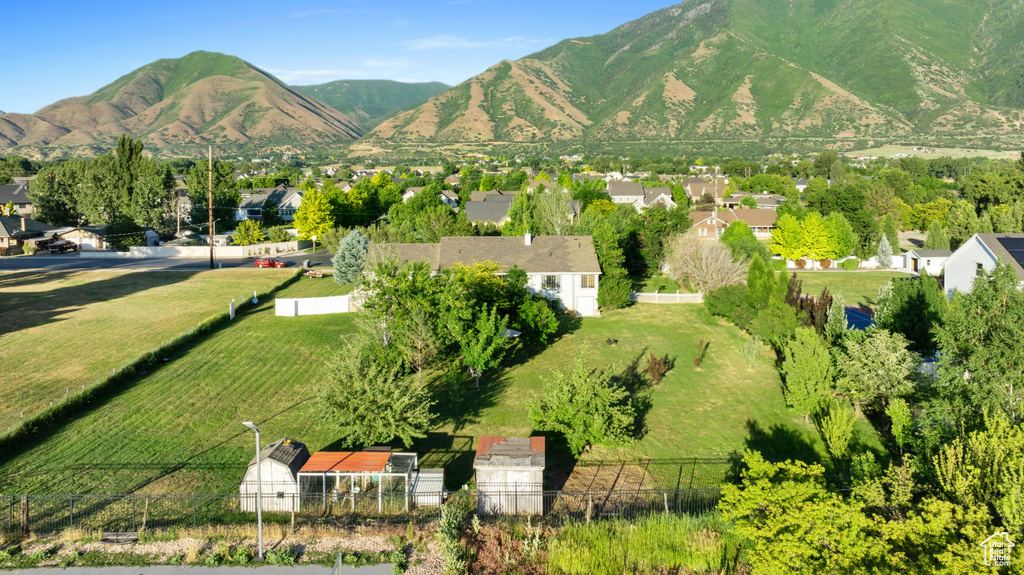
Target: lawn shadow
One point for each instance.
(452, 452)
(23, 310)
(636, 382)
(776, 444)
(559, 460)
(457, 401)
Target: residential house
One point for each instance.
(16, 231)
(765, 200)
(491, 207)
(980, 254)
(640, 197)
(448, 197)
(455, 181)
(17, 194)
(715, 187)
(560, 268)
(929, 261)
(712, 224)
(285, 197)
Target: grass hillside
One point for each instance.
(175, 105)
(751, 69)
(370, 101)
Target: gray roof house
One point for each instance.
(285, 197)
(930, 261)
(15, 231)
(625, 192)
(980, 254)
(489, 206)
(560, 268)
(17, 194)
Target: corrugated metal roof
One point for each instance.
(346, 461)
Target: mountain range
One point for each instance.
(769, 71)
(751, 69)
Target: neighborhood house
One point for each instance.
(562, 268)
(712, 224)
(979, 255)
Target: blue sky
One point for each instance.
(58, 50)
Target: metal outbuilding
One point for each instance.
(510, 475)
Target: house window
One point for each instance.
(280, 494)
(588, 281)
(549, 282)
(702, 232)
(927, 262)
(979, 269)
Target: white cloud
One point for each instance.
(449, 42)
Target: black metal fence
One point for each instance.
(48, 514)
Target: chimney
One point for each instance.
(22, 224)
(528, 238)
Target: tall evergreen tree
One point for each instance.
(891, 233)
(884, 253)
(936, 239)
(351, 257)
(808, 372)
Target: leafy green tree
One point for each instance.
(985, 224)
(123, 233)
(890, 233)
(840, 232)
(225, 193)
(884, 253)
(788, 239)
(278, 234)
(1003, 220)
(794, 524)
(915, 308)
(418, 339)
(313, 218)
(55, 192)
(837, 430)
(961, 223)
(483, 342)
(979, 343)
(369, 401)
(552, 212)
(816, 240)
(247, 233)
(936, 239)
(748, 202)
(348, 262)
(585, 407)
(902, 421)
(836, 326)
(520, 216)
(808, 372)
(740, 239)
(827, 165)
(877, 368)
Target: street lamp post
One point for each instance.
(259, 489)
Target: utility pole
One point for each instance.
(209, 204)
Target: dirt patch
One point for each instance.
(676, 91)
(509, 548)
(625, 476)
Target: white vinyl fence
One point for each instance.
(202, 251)
(290, 307)
(666, 297)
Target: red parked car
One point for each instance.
(270, 263)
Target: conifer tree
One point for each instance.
(936, 239)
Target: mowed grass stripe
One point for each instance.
(63, 330)
(184, 418)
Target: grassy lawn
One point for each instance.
(658, 283)
(61, 330)
(178, 429)
(859, 288)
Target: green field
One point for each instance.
(178, 429)
(859, 288)
(62, 330)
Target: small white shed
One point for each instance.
(280, 463)
(510, 475)
(931, 261)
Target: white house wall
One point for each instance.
(961, 267)
(569, 290)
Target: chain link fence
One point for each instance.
(50, 514)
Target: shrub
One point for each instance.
(30, 249)
(801, 264)
(613, 291)
(825, 264)
(724, 301)
(850, 264)
(779, 265)
(656, 367)
(278, 234)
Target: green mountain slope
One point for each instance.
(370, 101)
(751, 69)
(179, 105)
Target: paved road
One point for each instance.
(384, 569)
(63, 262)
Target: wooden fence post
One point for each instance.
(590, 506)
(666, 503)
